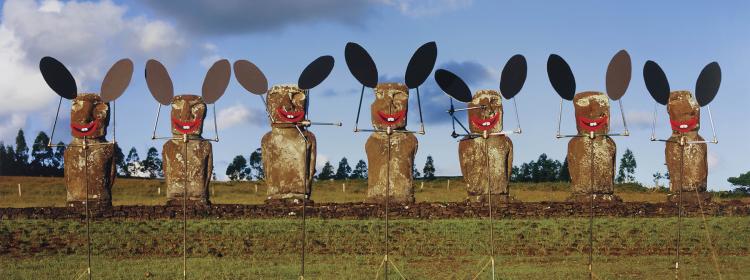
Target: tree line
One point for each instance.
(251, 168)
(42, 160)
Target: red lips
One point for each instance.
(390, 119)
(592, 124)
(82, 130)
(292, 117)
(186, 127)
(485, 124)
(685, 126)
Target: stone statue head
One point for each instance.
(390, 107)
(89, 112)
(489, 116)
(591, 112)
(286, 103)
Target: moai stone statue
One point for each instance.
(187, 157)
(289, 149)
(391, 148)
(686, 151)
(90, 169)
(592, 152)
(485, 151)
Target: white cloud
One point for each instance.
(420, 8)
(239, 114)
(713, 160)
(86, 36)
(320, 161)
(638, 119)
(210, 55)
(9, 126)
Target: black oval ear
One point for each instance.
(453, 85)
(158, 82)
(656, 82)
(58, 77)
(420, 65)
(316, 72)
(513, 76)
(708, 83)
(117, 80)
(561, 77)
(361, 65)
(619, 72)
(250, 77)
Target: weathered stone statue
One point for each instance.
(592, 152)
(486, 162)
(89, 159)
(485, 151)
(187, 157)
(289, 149)
(686, 151)
(391, 148)
(390, 155)
(286, 154)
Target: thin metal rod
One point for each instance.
(713, 130)
(88, 219)
(591, 208)
(114, 123)
(419, 106)
(626, 132)
(393, 131)
(156, 123)
(216, 126)
(184, 211)
(54, 124)
(468, 108)
(489, 201)
(265, 108)
(359, 108)
(387, 201)
(460, 124)
(559, 119)
(653, 124)
(304, 201)
(453, 119)
(679, 207)
(518, 120)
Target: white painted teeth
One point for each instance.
(185, 127)
(683, 126)
(289, 116)
(84, 129)
(592, 124)
(391, 119)
(486, 124)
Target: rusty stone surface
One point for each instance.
(591, 161)
(92, 166)
(486, 162)
(357, 210)
(687, 163)
(286, 155)
(389, 111)
(188, 114)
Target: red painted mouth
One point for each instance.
(291, 117)
(83, 130)
(390, 119)
(186, 127)
(592, 125)
(485, 124)
(685, 126)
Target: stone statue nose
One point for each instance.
(185, 112)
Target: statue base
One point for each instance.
(189, 202)
(598, 198)
(391, 200)
(496, 198)
(94, 205)
(690, 197)
(292, 199)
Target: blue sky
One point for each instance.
(474, 39)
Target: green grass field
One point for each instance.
(625, 248)
(351, 249)
(44, 191)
